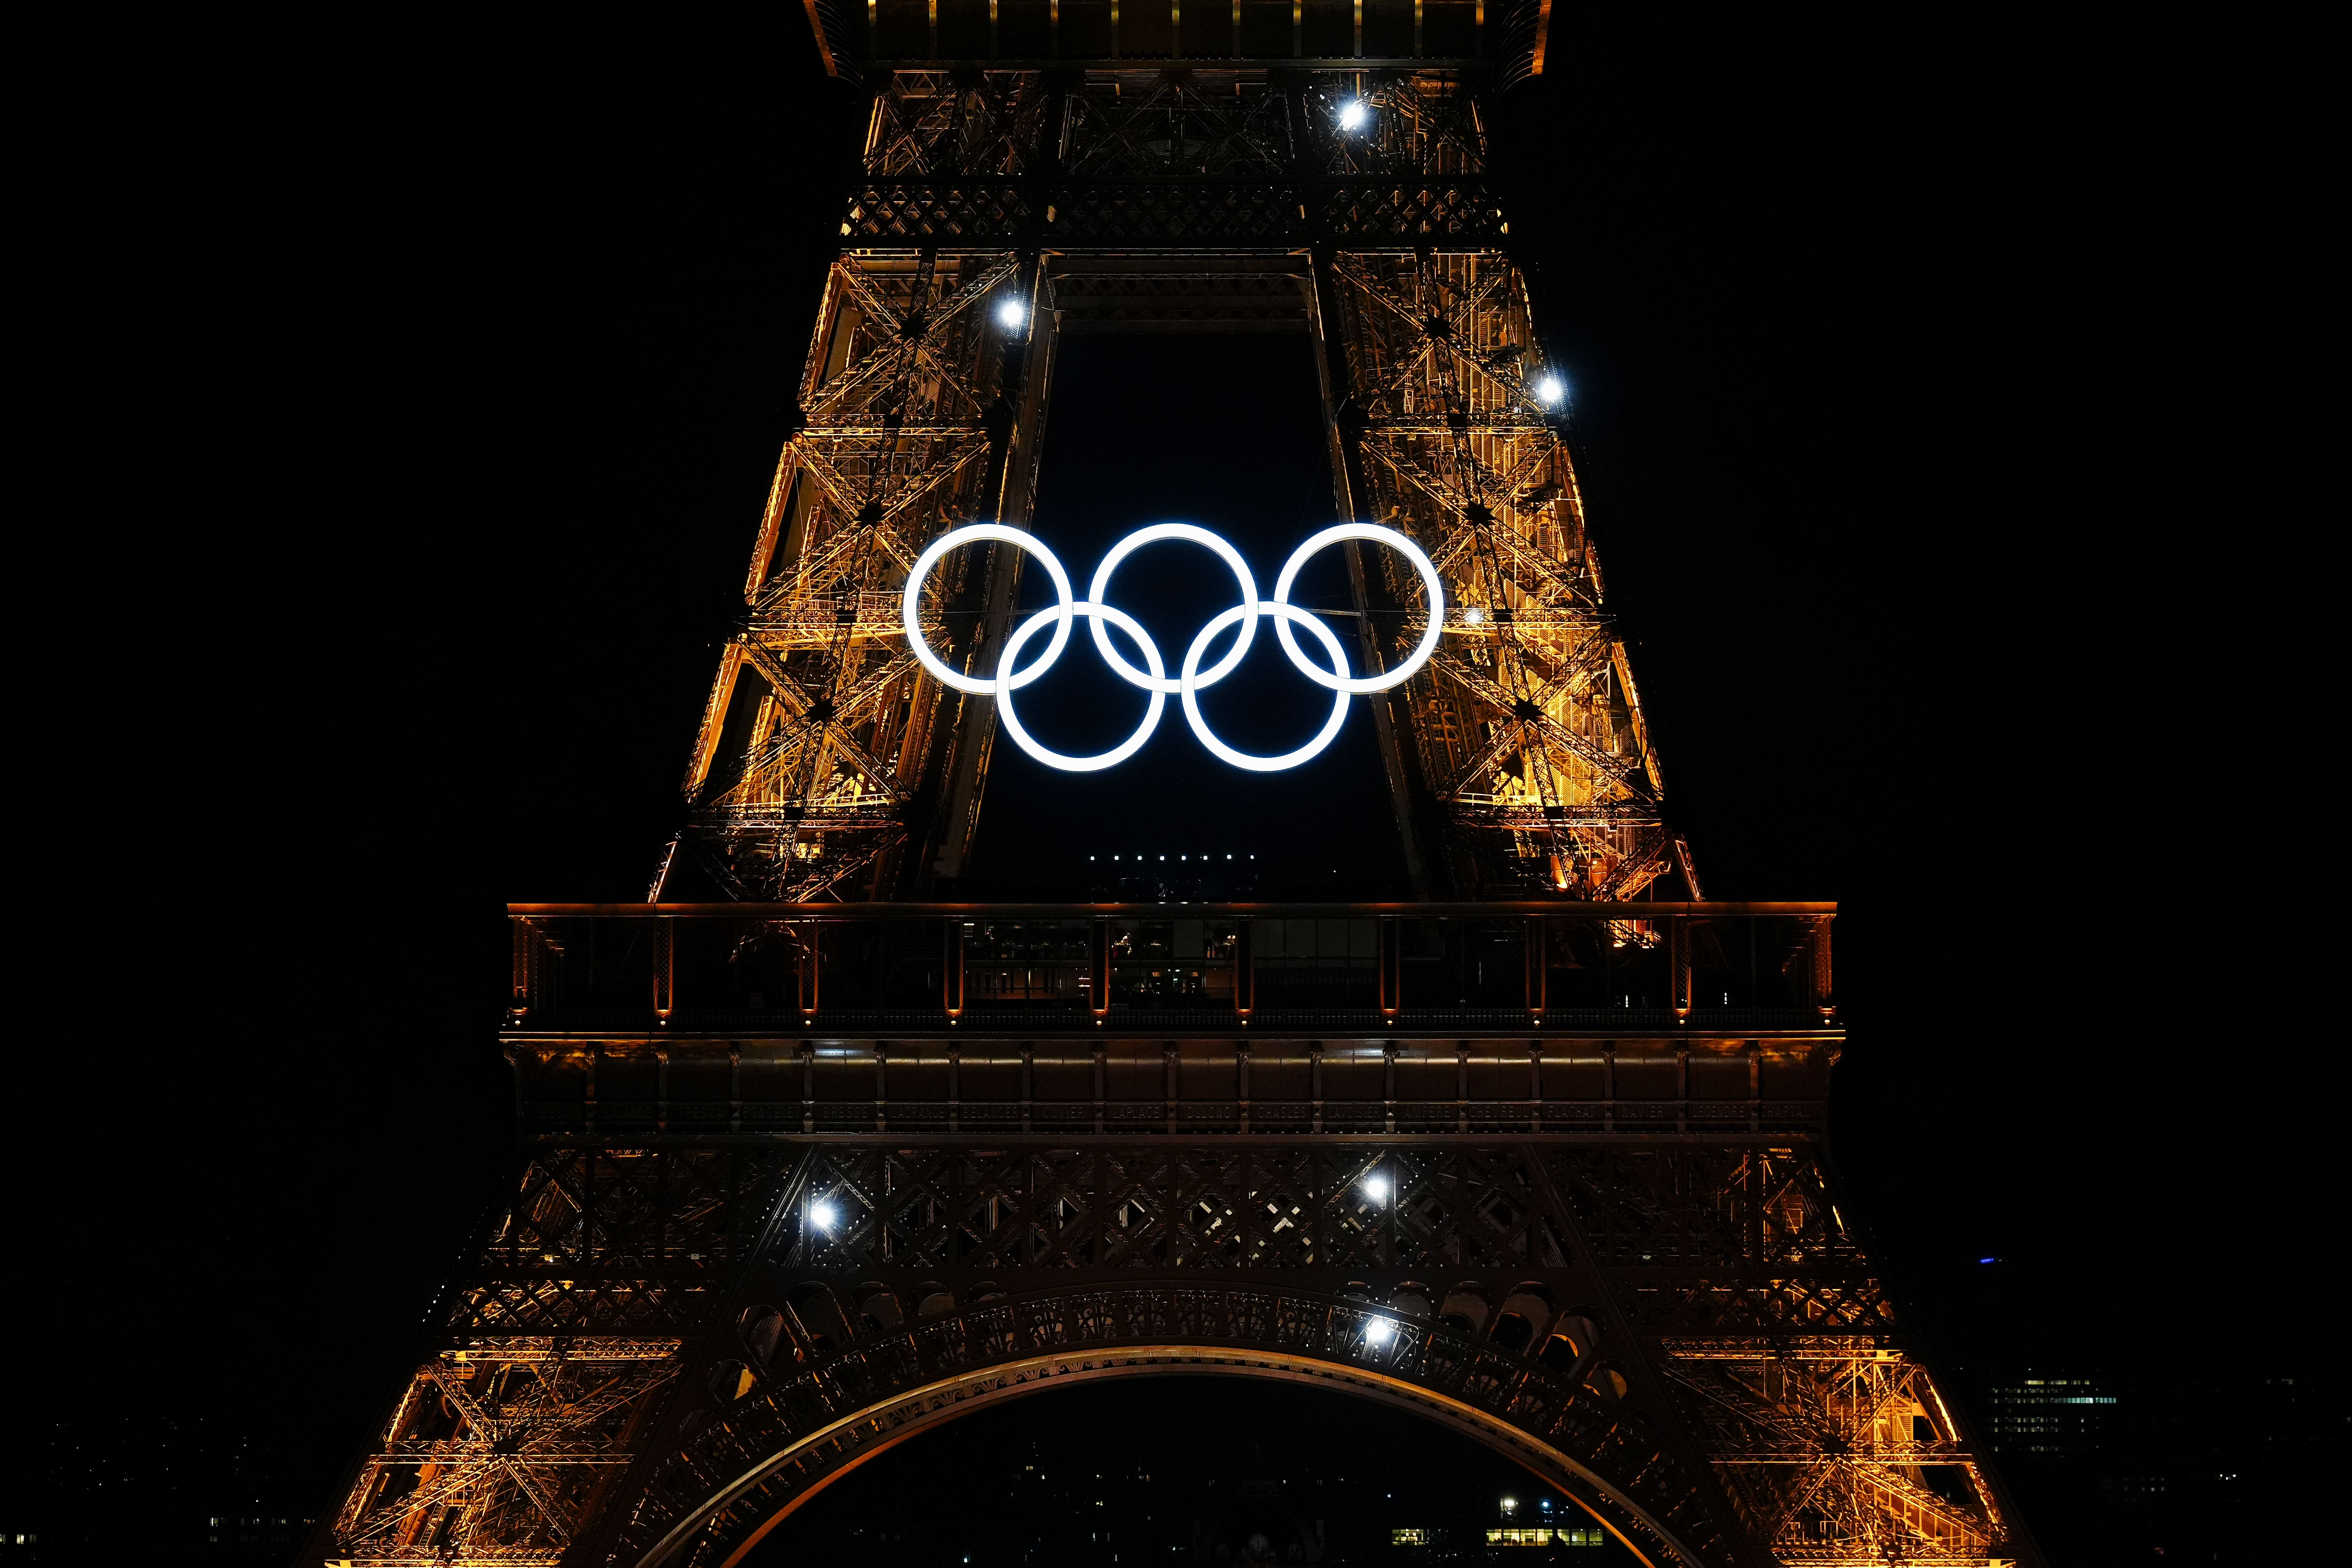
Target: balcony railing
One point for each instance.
(1195, 969)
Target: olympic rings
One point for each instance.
(1011, 676)
(1422, 564)
(1285, 613)
(1124, 749)
(972, 533)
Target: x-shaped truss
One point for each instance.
(1827, 1447)
(1528, 728)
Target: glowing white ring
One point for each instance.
(1153, 535)
(1010, 677)
(1191, 684)
(1429, 578)
(1004, 687)
(911, 603)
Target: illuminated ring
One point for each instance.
(1004, 685)
(1191, 535)
(1192, 683)
(1429, 579)
(911, 603)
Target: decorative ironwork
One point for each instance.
(1548, 1171)
(1686, 1338)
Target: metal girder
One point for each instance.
(1528, 730)
(1686, 1336)
(655, 1348)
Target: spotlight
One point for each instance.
(1474, 617)
(1352, 114)
(1377, 1331)
(821, 1216)
(1376, 1187)
(1013, 314)
(1549, 389)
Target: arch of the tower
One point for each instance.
(778, 1430)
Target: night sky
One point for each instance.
(1863, 420)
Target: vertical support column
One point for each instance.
(808, 1086)
(1755, 1086)
(1462, 1085)
(1824, 996)
(588, 1105)
(881, 1088)
(1682, 1089)
(812, 964)
(526, 964)
(1168, 1082)
(1241, 1079)
(1315, 1080)
(1028, 1080)
(1244, 972)
(1100, 1074)
(1101, 977)
(1387, 1086)
(1537, 981)
(955, 1087)
(1014, 423)
(1678, 938)
(1391, 966)
(1535, 1086)
(661, 1088)
(1343, 425)
(1609, 1087)
(951, 969)
(665, 967)
(735, 1086)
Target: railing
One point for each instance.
(1046, 969)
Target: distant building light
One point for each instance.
(1013, 314)
(1404, 1536)
(1352, 114)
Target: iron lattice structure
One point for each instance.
(668, 1339)
(829, 765)
(798, 1179)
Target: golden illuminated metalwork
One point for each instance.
(1543, 1162)
(1002, 208)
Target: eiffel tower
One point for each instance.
(1538, 1155)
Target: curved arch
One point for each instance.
(1047, 1372)
(738, 1476)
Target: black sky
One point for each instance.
(1862, 416)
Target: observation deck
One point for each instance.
(1119, 1019)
